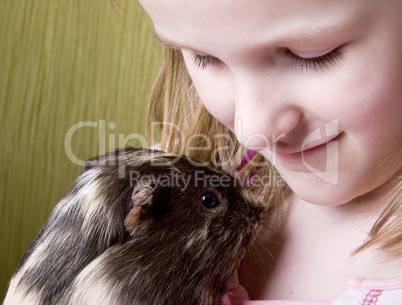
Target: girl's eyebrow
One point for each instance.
(312, 34)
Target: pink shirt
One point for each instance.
(357, 291)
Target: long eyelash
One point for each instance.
(305, 64)
(202, 61)
(316, 63)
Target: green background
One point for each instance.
(64, 62)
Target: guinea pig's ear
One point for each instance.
(108, 159)
(143, 198)
(91, 163)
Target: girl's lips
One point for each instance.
(311, 150)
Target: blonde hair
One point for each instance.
(187, 127)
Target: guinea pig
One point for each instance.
(140, 226)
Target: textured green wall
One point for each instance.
(63, 62)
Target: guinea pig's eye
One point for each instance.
(209, 200)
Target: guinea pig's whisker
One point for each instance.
(259, 255)
(264, 247)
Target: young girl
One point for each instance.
(314, 87)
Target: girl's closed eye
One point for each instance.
(317, 62)
(202, 61)
(304, 63)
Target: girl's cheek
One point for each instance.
(219, 105)
(216, 93)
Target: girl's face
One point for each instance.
(314, 86)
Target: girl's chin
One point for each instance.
(316, 190)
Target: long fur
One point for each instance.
(118, 240)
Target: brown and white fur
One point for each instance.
(171, 233)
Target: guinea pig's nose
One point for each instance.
(258, 213)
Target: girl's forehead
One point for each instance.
(246, 10)
(196, 22)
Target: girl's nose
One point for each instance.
(264, 112)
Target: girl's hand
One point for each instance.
(236, 291)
